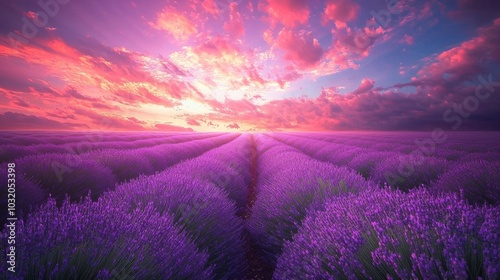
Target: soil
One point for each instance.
(257, 268)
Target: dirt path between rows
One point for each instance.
(257, 269)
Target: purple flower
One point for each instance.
(383, 233)
(104, 240)
(479, 180)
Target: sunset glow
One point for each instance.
(258, 65)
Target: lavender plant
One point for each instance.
(66, 174)
(293, 190)
(125, 164)
(386, 234)
(364, 163)
(91, 240)
(227, 167)
(479, 180)
(405, 172)
(198, 207)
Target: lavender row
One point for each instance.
(103, 240)
(205, 195)
(290, 185)
(386, 234)
(456, 143)
(475, 173)
(128, 164)
(192, 218)
(399, 170)
(11, 152)
(477, 180)
(37, 138)
(34, 138)
(73, 175)
(227, 167)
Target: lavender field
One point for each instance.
(343, 205)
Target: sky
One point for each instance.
(259, 65)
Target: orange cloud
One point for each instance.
(174, 23)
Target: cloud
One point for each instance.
(234, 26)
(169, 127)
(60, 114)
(171, 68)
(365, 86)
(348, 46)
(137, 121)
(210, 7)
(72, 92)
(175, 23)
(233, 126)
(442, 84)
(19, 121)
(22, 103)
(341, 12)
(465, 61)
(301, 48)
(193, 122)
(289, 76)
(290, 13)
(222, 67)
(102, 105)
(478, 12)
(407, 39)
(113, 123)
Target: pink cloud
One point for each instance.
(301, 49)
(210, 7)
(290, 13)
(235, 24)
(97, 120)
(468, 58)
(233, 126)
(407, 39)
(289, 76)
(193, 122)
(170, 127)
(341, 12)
(348, 46)
(373, 108)
(19, 121)
(476, 11)
(268, 36)
(365, 86)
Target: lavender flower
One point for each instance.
(89, 240)
(407, 171)
(63, 174)
(291, 189)
(479, 180)
(198, 207)
(385, 234)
